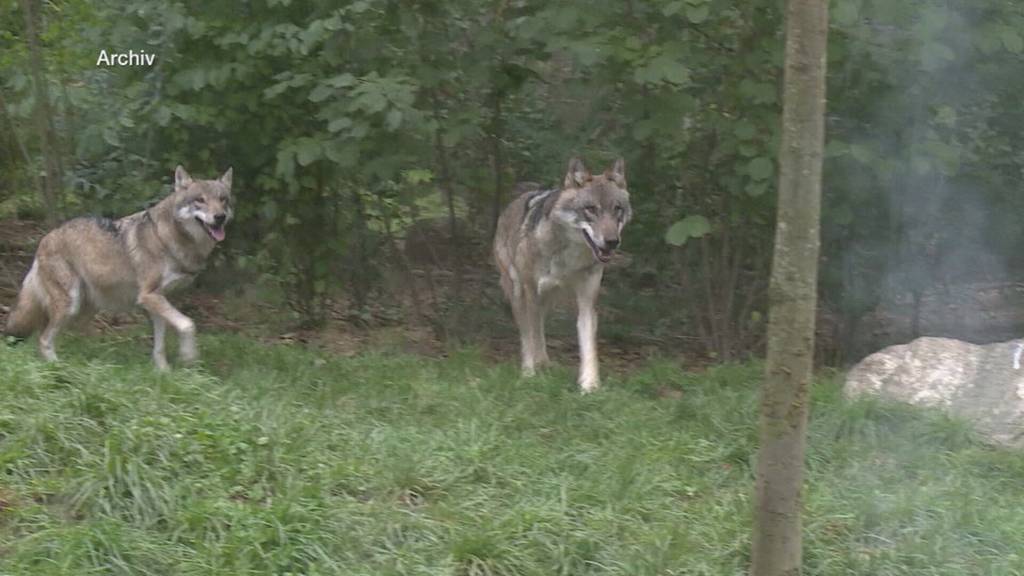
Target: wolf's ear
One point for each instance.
(618, 173)
(577, 175)
(226, 178)
(181, 178)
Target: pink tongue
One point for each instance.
(218, 233)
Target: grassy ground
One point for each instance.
(277, 460)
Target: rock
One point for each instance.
(983, 384)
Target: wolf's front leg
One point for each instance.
(157, 305)
(586, 329)
(540, 353)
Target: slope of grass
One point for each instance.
(277, 460)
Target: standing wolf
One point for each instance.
(548, 241)
(92, 264)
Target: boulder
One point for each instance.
(983, 384)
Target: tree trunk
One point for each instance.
(448, 189)
(360, 270)
(793, 295)
(497, 155)
(44, 116)
(9, 122)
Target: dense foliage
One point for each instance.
(347, 122)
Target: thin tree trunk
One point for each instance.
(359, 272)
(71, 120)
(19, 142)
(44, 115)
(497, 155)
(448, 189)
(709, 294)
(793, 295)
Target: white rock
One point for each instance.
(979, 383)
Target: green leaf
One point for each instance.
(393, 119)
(750, 149)
(191, 79)
(341, 154)
(276, 89)
(761, 168)
(759, 92)
(1012, 40)
(694, 226)
(339, 124)
(307, 151)
(285, 163)
(755, 189)
(988, 40)
(341, 80)
(673, 8)
(663, 68)
(110, 136)
(745, 130)
(162, 116)
(697, 14)
(321, 93)
(846, 12)
(418, 176)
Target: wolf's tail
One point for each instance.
(29, 312)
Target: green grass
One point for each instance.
(278, 460)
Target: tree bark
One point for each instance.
(793, 295)
(497, 155)
(11, 129)
(51, 189)
(448, 189)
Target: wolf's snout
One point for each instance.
(611, 243)
(220, 218)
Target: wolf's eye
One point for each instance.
(590, 209)
(200, 200)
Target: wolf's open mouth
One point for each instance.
(216, 231)
(602, 254)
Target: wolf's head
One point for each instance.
(598, 206)
(203, 206)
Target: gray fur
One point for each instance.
(92, 264)
(555, 241)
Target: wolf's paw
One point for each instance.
(188, 354)
(589, 385)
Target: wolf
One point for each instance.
(559, 240)
(97, 264)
